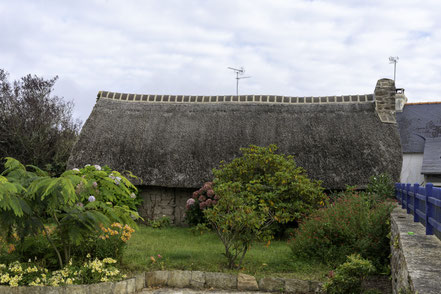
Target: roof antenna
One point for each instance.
(238, 72)
(394, 60)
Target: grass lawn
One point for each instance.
(182, 250)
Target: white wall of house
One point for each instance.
(411, 170)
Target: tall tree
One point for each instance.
(36, 127)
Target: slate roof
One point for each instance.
(417, 122)
(175, 141)
(432, 156)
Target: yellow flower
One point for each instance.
(11, 248)
(4, 278)
(109, 260)
(116, 225)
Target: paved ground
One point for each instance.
(191, 291)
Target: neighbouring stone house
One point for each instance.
(420, 131)
(172, 142)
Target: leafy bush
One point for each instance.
(109, 241)
(270, 182)
(201, 199)
(349, 225)
(237, 225)
(74, 204)
(200, 229)
(36, 126)
(382, 186)
(256, 191)
(348, 276)
(162, 222)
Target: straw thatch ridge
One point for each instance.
(178, 144)
(236, 99)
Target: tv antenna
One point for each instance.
(238, 71)
(394, 60)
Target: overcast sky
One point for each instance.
(288, 47)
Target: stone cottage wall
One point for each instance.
(162, 201)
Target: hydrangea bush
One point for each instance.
(74, 205)
(201, 199)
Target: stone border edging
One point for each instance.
(415, 262)
(222, 281)
(178, 279)
(128, 286)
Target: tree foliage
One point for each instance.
(75, 204)
(256, 191)
(36, 127)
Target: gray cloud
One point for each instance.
(296, 48)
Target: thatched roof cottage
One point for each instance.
(172, 142)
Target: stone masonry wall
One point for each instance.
(415, 256)
(161, 201)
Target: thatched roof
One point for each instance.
(176, 143)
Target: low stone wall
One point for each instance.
(128, 286)
(222, 281)
(415, 256)
(178, 279)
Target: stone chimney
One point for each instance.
(384, 96)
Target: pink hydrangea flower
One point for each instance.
(190, 203)
(210, 193)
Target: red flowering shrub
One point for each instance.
(202, 199)
(349, 225)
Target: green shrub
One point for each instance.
(237, 225)
(109, 241)
(348, 276)
(348, 225)
(162, 222)
(382, 186)
(272, 183)
(200, 229)
(66, 210)
(257, 192)
(201, 199)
